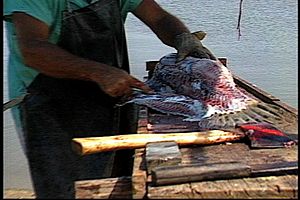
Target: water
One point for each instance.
(265, 55)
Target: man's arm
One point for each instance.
(163, 24)
(54, 61)
(171, 31)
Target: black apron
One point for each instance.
(57, 110)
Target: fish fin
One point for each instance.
(199, 34)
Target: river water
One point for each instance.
(265, 55)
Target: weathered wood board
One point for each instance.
(285, 186)
(108, 188)
(139, 175)
(279, 187)
(262, 187)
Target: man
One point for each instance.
(71, 58)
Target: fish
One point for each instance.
(202, 90)
(195, 88)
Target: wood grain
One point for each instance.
(285, 186)
(139, 175)
(170, 175)
(279, 187)
(109, 188)
(90, 145)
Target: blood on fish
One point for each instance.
(207, 85)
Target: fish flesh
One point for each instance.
(195, 88)
(204, 91)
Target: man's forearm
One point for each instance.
(162, 23)
(169, 30)
(50, 59)
(168, 27)
(54, 61)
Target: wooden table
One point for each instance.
(285, 186)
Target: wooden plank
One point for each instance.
(281, 187)
(260, 187)
(139, 175)
(109, 188)
(238, 152)
(170, 175)
(286, 107)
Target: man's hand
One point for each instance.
(117, 82)
(189, 44)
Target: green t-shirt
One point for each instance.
(48, 11)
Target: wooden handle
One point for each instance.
(84, 146)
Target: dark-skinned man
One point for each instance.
(70, 58)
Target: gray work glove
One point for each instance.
(189, 44)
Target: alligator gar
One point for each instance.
(204, 91)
